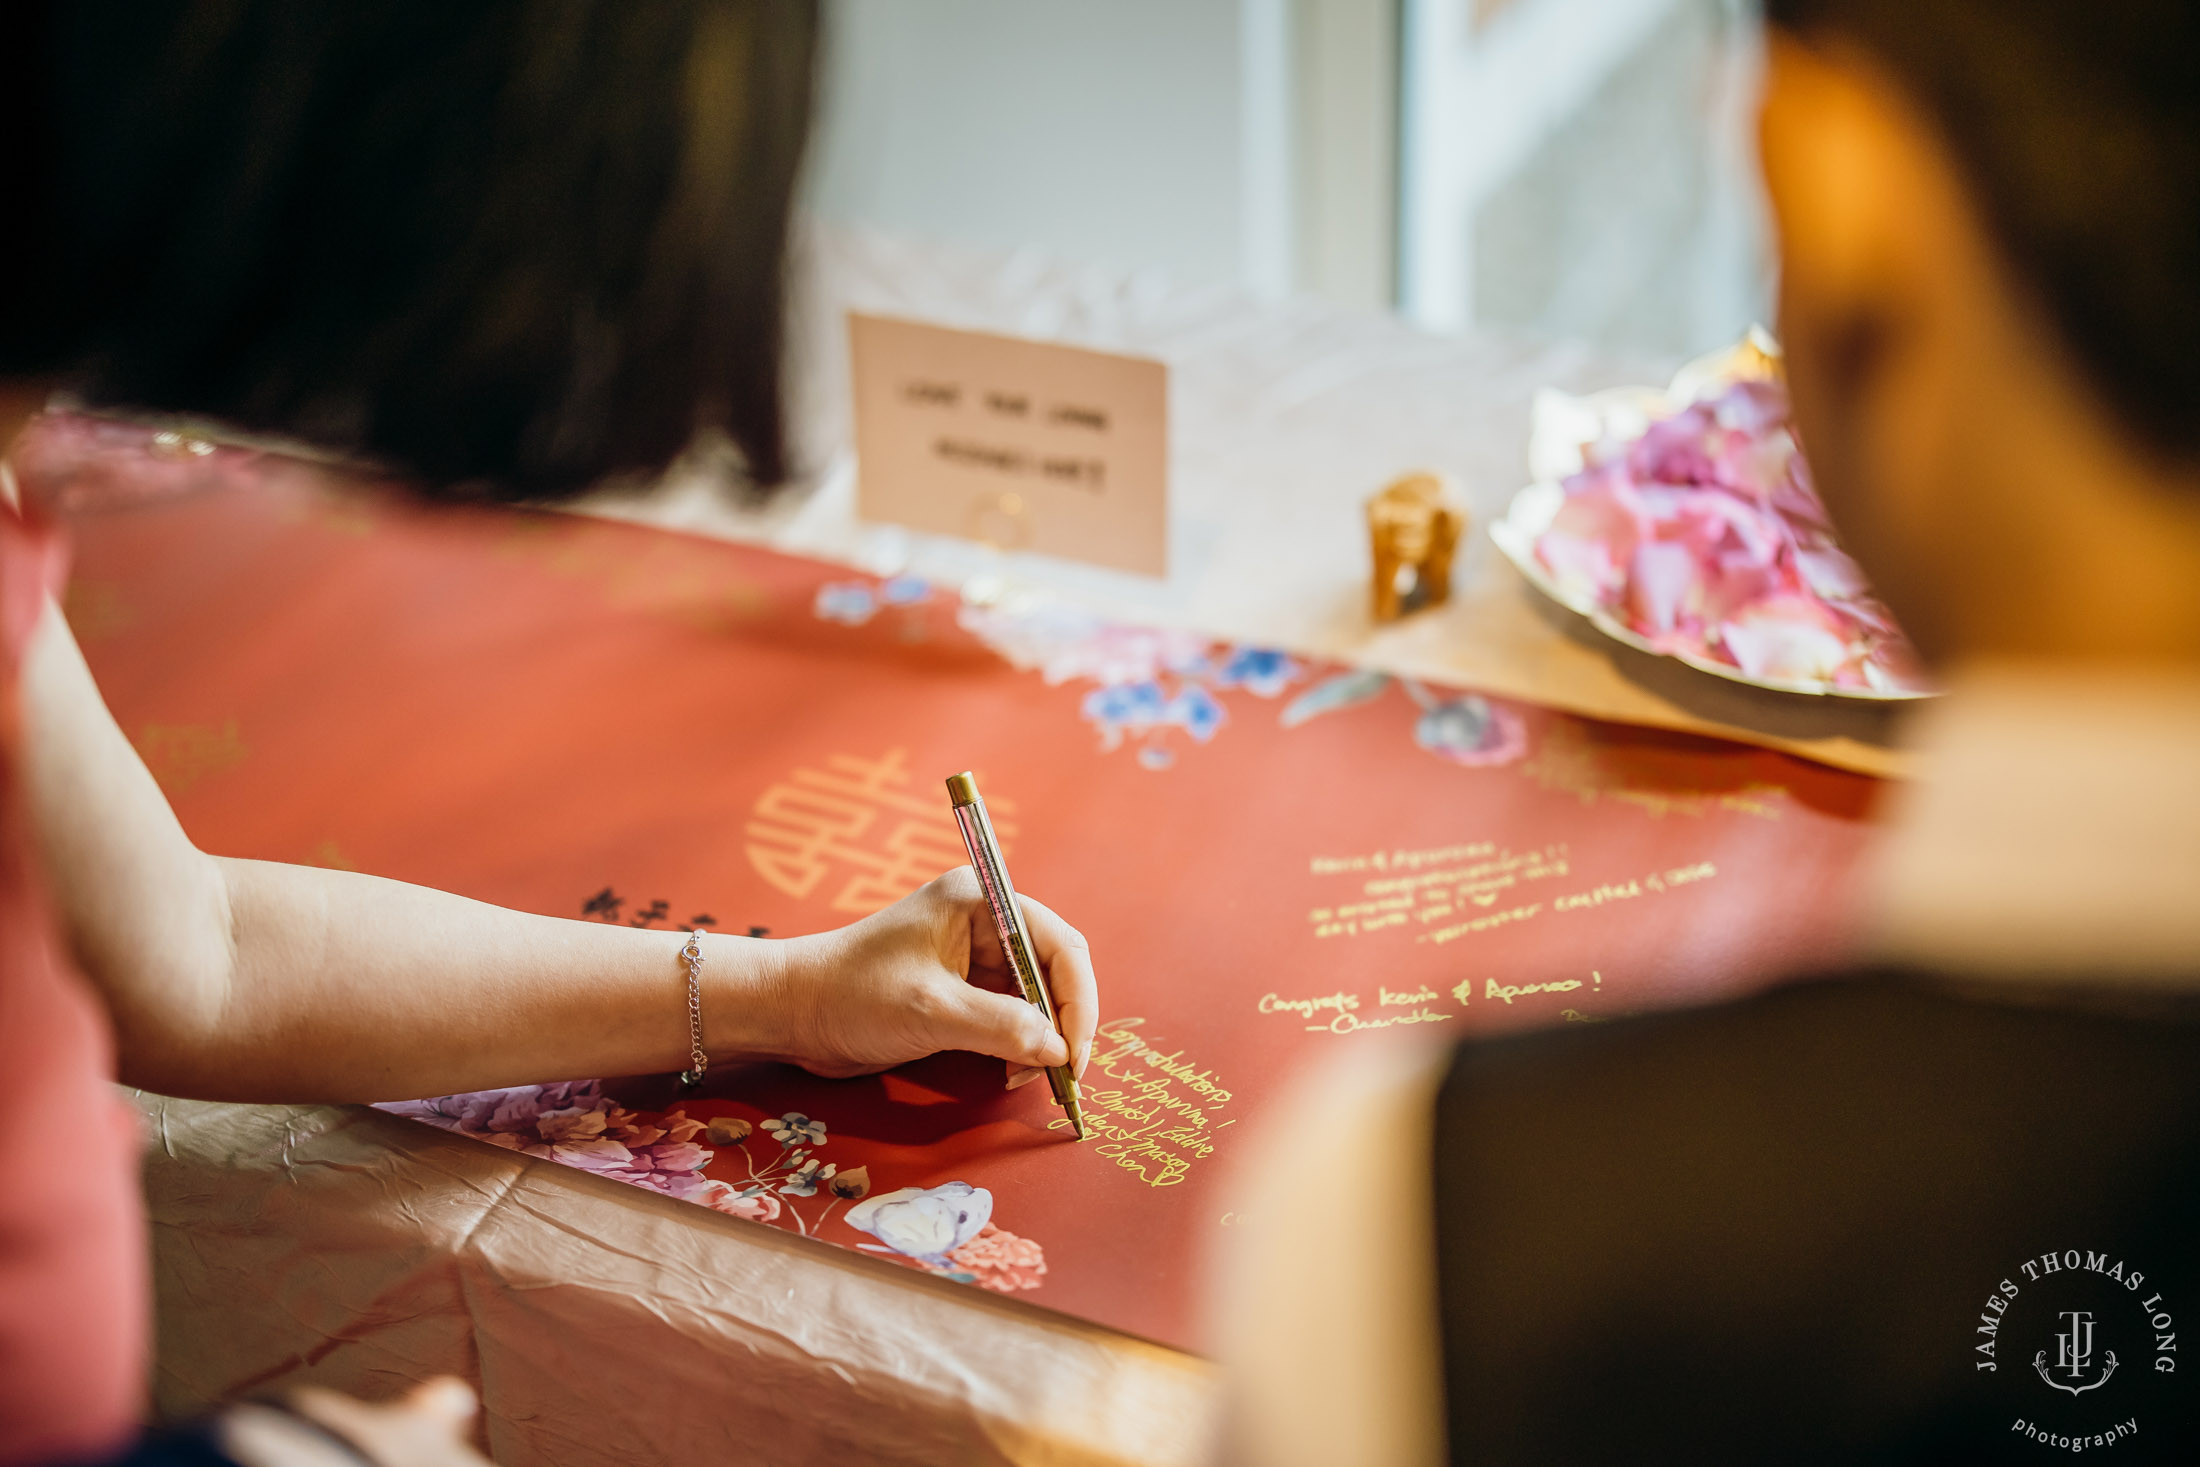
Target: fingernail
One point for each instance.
(1084, 1056)
(1023, 1078)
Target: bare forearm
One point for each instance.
(250, 980)
(350, 987)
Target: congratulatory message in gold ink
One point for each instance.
(1151, 1109)
(1461, 888)
(1349, 1013)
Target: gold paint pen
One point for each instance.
(1008, 917)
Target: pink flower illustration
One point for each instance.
(671, 1156)
(1467, 730)
(756, 1206)
(570, 1124)
(599, 1155)
(945, 1230)
(575, 1124)
(1000, 1261)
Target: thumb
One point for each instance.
(995, 1024)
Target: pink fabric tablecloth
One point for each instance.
(603, 1324)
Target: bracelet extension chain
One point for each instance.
(692, 955)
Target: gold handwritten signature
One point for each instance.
(1151, 1110)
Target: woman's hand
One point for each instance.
(428, 1426)
(907, 982)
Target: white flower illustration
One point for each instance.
(925, 1223)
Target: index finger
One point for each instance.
(1068, 961)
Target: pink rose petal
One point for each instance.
(1705, 537)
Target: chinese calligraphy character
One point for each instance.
(608, 906)
(857, 823)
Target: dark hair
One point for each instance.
(510, 246)
(2077, 124)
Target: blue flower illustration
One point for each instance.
(803, 1180)
(1125, 708)
(1195, 710)
(851, 603)
(796, 1129)
(1262, 671)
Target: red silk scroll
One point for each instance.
(1271, 859)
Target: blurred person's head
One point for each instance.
(510, 247)
(1989, 219)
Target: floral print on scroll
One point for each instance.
(946, 1230)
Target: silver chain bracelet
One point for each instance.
(692, 955)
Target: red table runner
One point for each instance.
(1271, 859)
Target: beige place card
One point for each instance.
(1024, 445)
